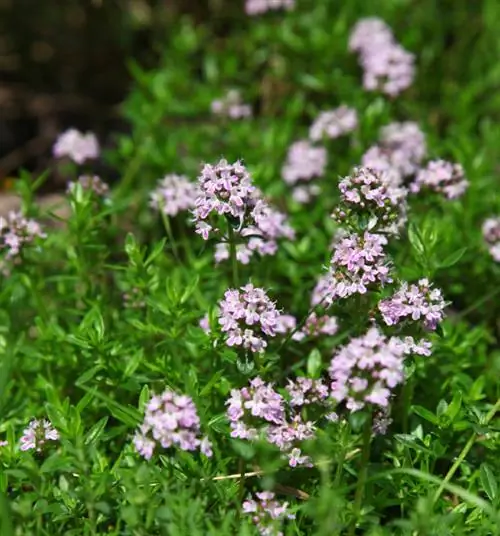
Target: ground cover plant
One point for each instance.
(283, 318)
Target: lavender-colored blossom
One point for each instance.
(4, 443)
(91, 183)
(174, 194)
(370, 32)
(491, 235)
(306, 391)
(285, 324)
(231, 106)
(421, 347)
(258, 7)
(267, 513)
(247, 316)
(366, 370)
(170, 420)
(204, 323)
(36, 435)
(315, 326)
(16, 232)
(334, 123)
(358, 262)
(77, 146)
(443, 177)
(368, 194)
(415, 302)
(304, 163)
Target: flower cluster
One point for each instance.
(400, 151)
(315, 326)
(418, 302)
(387, 66)
(267, 513)
(77, 146)
(170, 420)
(231, 106)
(16, 232)
(174, 194)
(366, 370)
(357, 263)
(90, 183)
(304, 163)
(368, 194)
(246, 316)
(491, 234)
(443, 177)
(257, 7)
(334, 123)
(269, 226)
(259, 411)
(37, 434)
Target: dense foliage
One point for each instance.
(284, 316)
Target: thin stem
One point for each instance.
(170, 234)
(241, 489)
(463, 454)
(342, 458)
(232, 254)
(406, 398)
(360, 487)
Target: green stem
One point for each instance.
(363, 472)
(463, 454)
(170, 234)
(342, 457)
(406, 398)
(232, 255)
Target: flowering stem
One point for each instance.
(465, 451)
(232, 254)
(168, 228)
(360, 488)
(241, 490)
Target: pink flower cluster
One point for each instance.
(16, 232)
(246, 316)
(317, 325)
(170, 420)
(357, 263)
(304, 163)
(91, 183)
(174, 194)
(415, 302)
(267, 513)
(366, 370)
(231, 106)
(443, 177)
(334, 123)
(491, 234)
(399, 153)
(37, 434)
(269, 226)
(259, 411)
(387, 66)
(257, 7)
(77, 146)
(369, 193)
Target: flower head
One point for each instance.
(491, 235)
(77, 146)
(170, 420)
(267, 513)
(443, 177)
(231, 106)
(174, 194)
(91, 183)
(37, 434)
(16, 232)
(334, 123)
(257, 7)
(247, 316)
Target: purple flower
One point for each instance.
(304, 163)
(491, 235)
(16, 232)
(91, 183)
(387, 66)
(37, 434)
(418, 302)
(366, 370)
(257, 7)
(334, 123)
(306, 391)
(174, 194)
(4, 443)
(231, 106)
(246, 316)
(285, 324)
(358, 262)
(267, 513)
(443, 177)
(170, 420)
(316, 326)
(77, 146)
(368, 193)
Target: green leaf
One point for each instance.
(415, 239)
(425, 414)
(94, 434)
(453, 258)
(488, 481)
(314, 362)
